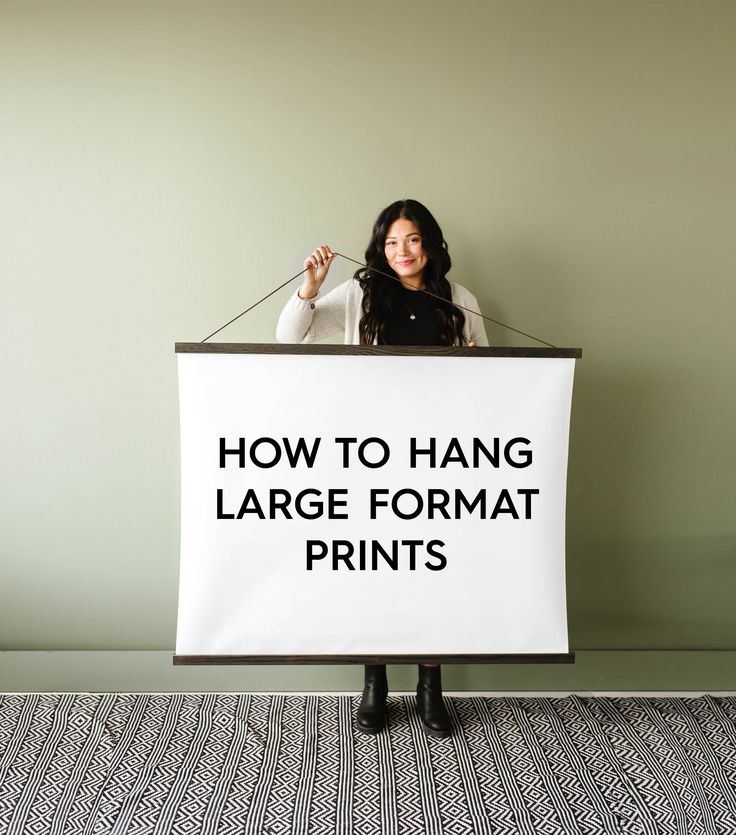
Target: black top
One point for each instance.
(415, 320)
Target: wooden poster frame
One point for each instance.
(376, 350)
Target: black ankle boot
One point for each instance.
(430, 706)
(371, 716)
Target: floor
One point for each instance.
(263, 763)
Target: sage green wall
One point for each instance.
(163, 165)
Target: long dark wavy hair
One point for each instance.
(382, 295)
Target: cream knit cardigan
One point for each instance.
(340, 311)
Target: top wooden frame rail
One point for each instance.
(370, 350)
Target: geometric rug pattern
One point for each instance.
(131, 764)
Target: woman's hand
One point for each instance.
(317, 265)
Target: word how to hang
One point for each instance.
(375, 452)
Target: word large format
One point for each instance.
(406, 503)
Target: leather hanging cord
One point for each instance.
(455, 304)
(394, 278)
(248, 309)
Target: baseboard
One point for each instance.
(694, 671)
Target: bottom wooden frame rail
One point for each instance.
(528, 658)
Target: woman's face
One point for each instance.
(404, 251)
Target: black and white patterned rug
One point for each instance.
(227, 763)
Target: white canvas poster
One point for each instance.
(354, 504)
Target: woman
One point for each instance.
(407, 244)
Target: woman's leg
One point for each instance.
(430, 706)
(371, 716)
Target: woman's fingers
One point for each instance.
(471, 344)
(324, 254)
(321, 255)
